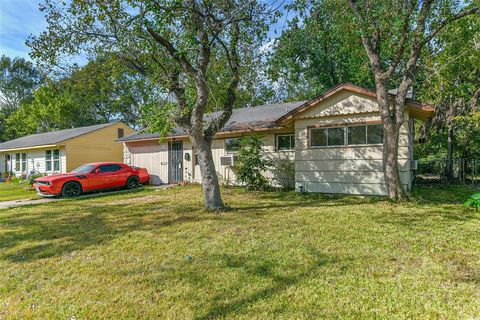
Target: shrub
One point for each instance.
(32, 176)
(251, 164)
(473, 201)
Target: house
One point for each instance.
(64, 150)
(331, 144)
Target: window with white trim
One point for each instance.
(52, 160)
(20, 162)
(285, 142)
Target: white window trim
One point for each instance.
(52, 161)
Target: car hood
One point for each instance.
(56, 176)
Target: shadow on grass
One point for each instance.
(74, 226)
(264, 269)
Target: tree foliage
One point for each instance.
(99, 92)
(18, 79)
(194, 51)
(318, 50)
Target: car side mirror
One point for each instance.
(96, 171)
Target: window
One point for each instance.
(56, 160)
(327, 137)
(370, 134)
(17, 162)
(48, 160)
(21, 162)
(375, 133)
(86, 168)
(110, 168)
(52, 159)
(232, 145)
(286, 142)
(357, 135)
(120, 133)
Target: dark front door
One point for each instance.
(175, 172)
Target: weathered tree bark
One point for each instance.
(211, 186)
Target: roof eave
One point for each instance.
(43, 146)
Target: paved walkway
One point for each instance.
(26, 202)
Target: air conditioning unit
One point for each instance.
(228, 160)
(414, 165)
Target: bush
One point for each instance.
(251, 164)
(32, 176)
(473, 201)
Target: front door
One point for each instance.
(175, 161)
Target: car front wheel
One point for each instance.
(132, 182)
(71, 189)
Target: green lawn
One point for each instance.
(156, 254)
(15, 191)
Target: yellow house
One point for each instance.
(64, 150)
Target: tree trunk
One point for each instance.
(211, 187)
(390, 162)
(391, 135)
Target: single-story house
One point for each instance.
(331, 144)
(64, 150)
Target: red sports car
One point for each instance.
(92, 177)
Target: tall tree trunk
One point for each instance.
(391, 135)
(211, 187)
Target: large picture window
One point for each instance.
(327, 137)
(286, 142)
(232, 145)
(351, 135)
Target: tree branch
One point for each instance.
(445, 22)
(186, 65)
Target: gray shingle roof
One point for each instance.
(49, 138)
(251, 118)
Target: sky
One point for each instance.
(20, 18)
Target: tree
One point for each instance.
(18, 79)
(183, 47)
(408, 27)
(452, 82)
(99, 92)
(315, 53)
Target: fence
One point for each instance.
(465, 171)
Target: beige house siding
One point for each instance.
(337, 169)
(153, 155)
(345, 169)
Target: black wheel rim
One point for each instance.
(132, 183)
(72, 189)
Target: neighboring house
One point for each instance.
(331, 144)
(64, 150)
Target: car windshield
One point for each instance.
(86, 168)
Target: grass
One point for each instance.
(275, 255)
(15, 191)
